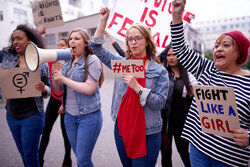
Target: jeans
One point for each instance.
(83, 131)
(26, 133)
(50, 118)
(153, 147)
(199, 159)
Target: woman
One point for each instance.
(79, 80)
(230, 51)
(136, 103)
(54, 108)
(174, 115)
(25, 115)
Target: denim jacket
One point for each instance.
(154, 94)
(11, 61)
(85, 103)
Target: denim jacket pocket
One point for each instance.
(151, 80)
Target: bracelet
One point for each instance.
(100, 28)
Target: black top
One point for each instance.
(174, 118)
(21, 108)
(119, 49)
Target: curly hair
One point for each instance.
(31, 33)
(150, 48)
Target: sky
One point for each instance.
(205, 10)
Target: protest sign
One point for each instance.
(19, 83)
(217, 110)
(155, 14)
(47, 13)
(134, 67)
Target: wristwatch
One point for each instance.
(140, 92)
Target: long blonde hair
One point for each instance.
(150, 48)
(88, 52)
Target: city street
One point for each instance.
(104, 155)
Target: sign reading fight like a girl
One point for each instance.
(217, 110)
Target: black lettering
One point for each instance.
(208, 94)
(224, 92)
(216, 93)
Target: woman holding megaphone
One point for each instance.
(79, 80)
(25, 115)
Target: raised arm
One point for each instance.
(194, 62)
(100, 31)
(97, 40)
(177, 9)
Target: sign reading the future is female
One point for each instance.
(156, 14)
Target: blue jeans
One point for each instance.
(26, 133)
(83, 131)
(153, 148)
(199, 159)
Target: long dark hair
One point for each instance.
(182, 71)
(31, 33)
(88, 52)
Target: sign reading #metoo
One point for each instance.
(134, 67)
(47, 13)
(19, 83)
(156, 14)
(217, 110)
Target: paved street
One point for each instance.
(104, 155)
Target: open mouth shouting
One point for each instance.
(219, 57)
(73, 49)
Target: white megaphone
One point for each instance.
(35, 56)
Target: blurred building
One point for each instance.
(14, 12)
(193, 38)
(209, 31)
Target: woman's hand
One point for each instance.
(105, 13)
(177, 9)
(241, 137)
(103, 22)
(61, 110)
(41, 87)
(57, 71)
(58, 76)
(57, 66)
(41, 30)
(130, 80)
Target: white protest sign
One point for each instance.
(217, 110)
(155, 14)
(134, 67)
(19, 83)
(47, 13)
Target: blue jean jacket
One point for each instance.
(86, 103)
(10, 61)
(154, 94)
